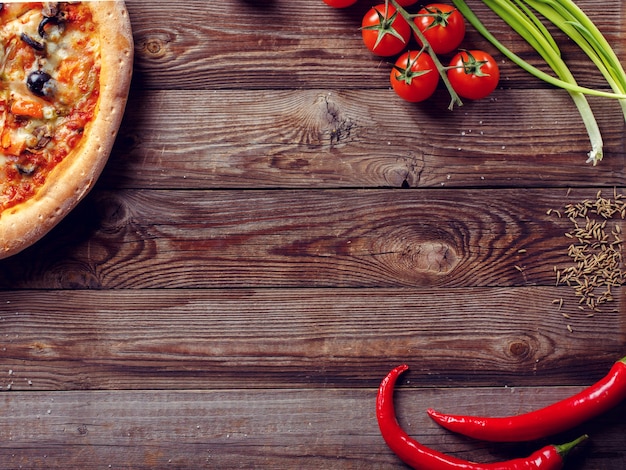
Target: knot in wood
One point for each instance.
(520, 349)
(434, 257)
(113, 213)
(337, 127)
(154, 46)
(416, 262)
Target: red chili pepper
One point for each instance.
(421, 457)
(553, 419)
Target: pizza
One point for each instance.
(65, 72)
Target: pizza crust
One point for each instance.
(73, 178)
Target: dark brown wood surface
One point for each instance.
(275, 230)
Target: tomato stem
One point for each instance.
(385, 26)
(439, 17)
(455, 99)
(471, 66)
(407, 74)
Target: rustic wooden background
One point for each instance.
(275, 231)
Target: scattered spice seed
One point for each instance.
(596, 255)
(559, 302)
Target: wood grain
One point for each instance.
(320, 48)
(330, 238)
(333, 428)
(275, 230)
(280, 339)
(359, 139)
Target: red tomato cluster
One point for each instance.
(473, 74)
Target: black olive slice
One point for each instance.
(26, 170)
(39, 82)
(38, 46)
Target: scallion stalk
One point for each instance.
(525, 23)
(575, 23)
(528, 26)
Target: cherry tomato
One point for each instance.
(385, 32)
(414, 76)
(442, 25)
(340, 3)
(473, 74)
(406, 3)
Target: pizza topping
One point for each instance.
(38, 46)
(51, 9)
(26, 169)
(51, 15)
(40, 83)
(27, 108)
(49, 88)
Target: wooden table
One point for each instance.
(275, 231)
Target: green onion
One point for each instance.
(578, 26)
(525, 23)
(567, 16)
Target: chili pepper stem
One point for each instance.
(564, 449)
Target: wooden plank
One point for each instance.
(261, 429)
(330, 238)
(359, 139)
(319, 47)
(234, 338)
